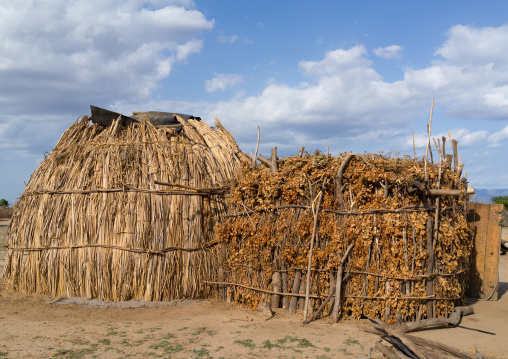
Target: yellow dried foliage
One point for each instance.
(387, 265)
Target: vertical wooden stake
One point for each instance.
(429, 127)
(338, 285)
(430, 267)
(296, 287)
(276, 287)
(285, 288)
(256, 153)
(309, 264)
(275, 166)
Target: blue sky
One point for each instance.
(353, 75)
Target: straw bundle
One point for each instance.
(120, 213)
(374, 234)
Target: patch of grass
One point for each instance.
(78, 341)
(105, 341)
(199, 353)
(345, 351)
(269, 345)
(126, 342)
(352, 342)
(73, 354)
(112, 332)
(302, 343)
(167, 336)
(246, 343)
(112, 348)
(3, 354)
(199, 331)
(167, 346)
(182, 328)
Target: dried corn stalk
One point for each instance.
(381, 205)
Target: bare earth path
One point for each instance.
(36, 327)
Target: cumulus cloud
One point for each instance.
(227, 39)
(389, 52)
(497, 137)
(91, 49)
(222, 82)
(57, 55)
(344, 94)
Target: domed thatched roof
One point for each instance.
(123, 212)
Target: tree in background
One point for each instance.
(501, 200)
(4, 203)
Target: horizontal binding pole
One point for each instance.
(262, 290)
(445, 192)
(325, 296)
(358, 213)
(204, 190)
(135, 250)
(126, 189)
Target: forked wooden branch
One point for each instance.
(396, 335)
(419, 352)
(338, 285)
(272, 162)
(452, 321)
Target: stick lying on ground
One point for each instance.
(408, 346)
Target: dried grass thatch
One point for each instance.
(123, 212)
(6, 212)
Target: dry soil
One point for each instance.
(38, 326)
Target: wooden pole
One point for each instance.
(309, 264)
(429, 127)
(338, 285)
(276, 287)
(256, 153)
(296, 287)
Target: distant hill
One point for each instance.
(484, 195)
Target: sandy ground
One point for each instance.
(41, 327)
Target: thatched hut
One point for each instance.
(123, 211)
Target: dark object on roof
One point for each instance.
(105, 117)
(162, 118)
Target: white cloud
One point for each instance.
(58, 56)
(389, 52)
(498, 137)
(227, 39)
(222, 82)
(187, 49)
(468, 45)
(92, 50)
(346, 95)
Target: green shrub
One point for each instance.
(501, 200)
